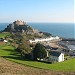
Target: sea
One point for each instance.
(65, 30)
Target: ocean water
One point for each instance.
(3, 26)
(66, 30)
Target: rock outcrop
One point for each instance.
(21, 26)
(18, 26)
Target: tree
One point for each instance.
(24, 47)
(39, 51)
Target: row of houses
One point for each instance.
(44, 39)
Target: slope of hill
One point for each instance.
(11, 68)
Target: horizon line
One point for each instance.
(40, 22)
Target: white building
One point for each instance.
(44, 39)
(5, 41)
(56, 56)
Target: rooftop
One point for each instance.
(55, 53)
(71, 47)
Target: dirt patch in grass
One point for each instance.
(10, 68)
(1, 43)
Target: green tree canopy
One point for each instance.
(24, 47)
(39, 51)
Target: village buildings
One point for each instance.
(44, 39)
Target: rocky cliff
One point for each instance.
(18, 26)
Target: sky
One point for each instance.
(37, 10)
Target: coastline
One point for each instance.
(56, 29)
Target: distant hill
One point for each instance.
(21, 26)
(18, 26)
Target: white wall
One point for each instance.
(57, 59)
(61, 57)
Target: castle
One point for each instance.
(17, 26)
(19, 22)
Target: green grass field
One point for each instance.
(9, 53)
(2, 35)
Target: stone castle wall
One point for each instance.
(19, 22)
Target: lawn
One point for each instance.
(8, 52)
(2, 35)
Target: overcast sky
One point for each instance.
(37, 10)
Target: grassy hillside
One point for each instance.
(2, 35)
(9, 53)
